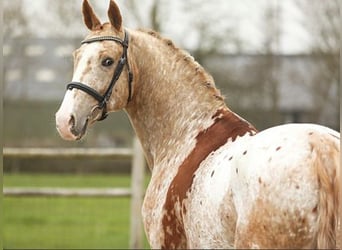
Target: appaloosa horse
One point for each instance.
(216, 182)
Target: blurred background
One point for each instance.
(275, 61)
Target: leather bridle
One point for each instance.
(103, 99)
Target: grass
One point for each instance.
(65, 223)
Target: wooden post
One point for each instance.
(137, 187)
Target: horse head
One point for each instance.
(102, 80)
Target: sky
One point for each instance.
(245, 16)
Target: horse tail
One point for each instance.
(326, 155)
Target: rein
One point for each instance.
(103, 99)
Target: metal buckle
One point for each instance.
(97, 114)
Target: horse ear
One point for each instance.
(89, 17)
(114, 15)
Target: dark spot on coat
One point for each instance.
(297, 186)
(184, 209)
(186, 58)
(219, 97)
(152, 33)
(245, 152)
(278, 148)
(230, 158)
(212, 173)
(169, 42)
(314, 210)
(236, 170)
(259, 179)
(208, 84)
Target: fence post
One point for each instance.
(137, 187)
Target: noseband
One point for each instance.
(103, 99)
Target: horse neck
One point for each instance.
(174, 98)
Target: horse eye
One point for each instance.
(107, 62)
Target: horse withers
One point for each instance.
(216, 181)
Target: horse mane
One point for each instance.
(205, 78)
(157, 35)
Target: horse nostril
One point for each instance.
(72, 121)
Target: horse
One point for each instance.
(216, 182)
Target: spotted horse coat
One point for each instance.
(215, 181)
(240, 189)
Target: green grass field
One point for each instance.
(65, 223)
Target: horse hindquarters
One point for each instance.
(291, 199)
(326, 162)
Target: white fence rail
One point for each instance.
(136, 192)
(113, 153)
(68, 192)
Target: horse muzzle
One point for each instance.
(69, 127)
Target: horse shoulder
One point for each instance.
(210, 218)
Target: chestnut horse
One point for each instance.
(216, 182)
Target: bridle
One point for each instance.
(103, 99)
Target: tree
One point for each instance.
(147, 13)
(15, 27)
(270, 24)
(15, 20)
(204, 33)
(21, 22)
(211, 25)
(65, 17)
(322, 22)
